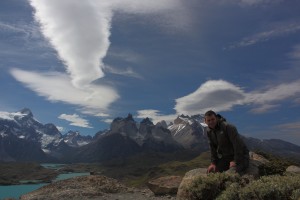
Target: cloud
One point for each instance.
(54, 86)
(127, 72)
(220, 95)
(79, 30)
(155, 116)
(290, 126)
(9, 27)
(75, 120)
(61, 129)
(275, 93)
(295, 54)
(256, 2)
(263, 108)
(277, 30)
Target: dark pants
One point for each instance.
(224, 163)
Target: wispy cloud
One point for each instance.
(125, 55)
(263, 108)
(54, 86)
(290, 126)
(75, 120)
(274, 93)
(10, 27)
(79, 31)
(277, 30)
(155, 115)
(60, 128)
(257, 2)
(127, 72)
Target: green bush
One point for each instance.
(223, 186)
(296, 195)
(211, 186)
(277, 165)
(268, 187)
(273, 167)
(272, 187)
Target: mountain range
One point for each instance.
(24, 138)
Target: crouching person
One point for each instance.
(228, 151)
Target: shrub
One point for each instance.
(211, 186)
(296, 194)
(223, 186)
(272, 187)
(277, 165)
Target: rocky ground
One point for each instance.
(92, 187)
(12, 173)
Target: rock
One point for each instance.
(165, 185)
(253, 168)
(293, 169)
(83, 187)
(257, 157)
(182, 193)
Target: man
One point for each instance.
(228, 151)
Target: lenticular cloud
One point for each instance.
(79, 30)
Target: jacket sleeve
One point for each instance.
(213, 149)
(237, 143)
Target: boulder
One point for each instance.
(293, 169)
(165, 185)
(182, 193)
(253, 168)
(257, 157)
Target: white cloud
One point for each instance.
(57, 87)
(255, 2)
(9, 27)
(218, 95)
(60, 128)
(155, 116)
(79, 30)
(127, 72)
(275, 93)
(295, 54)
(277, 30)
(263, 108)
(75, 120)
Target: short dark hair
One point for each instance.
(210, 113)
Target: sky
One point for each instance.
(80, 64)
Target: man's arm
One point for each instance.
(213, 149)
(237, 143)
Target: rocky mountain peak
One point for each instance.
(129, 117)
(147, 121)
(27, 112)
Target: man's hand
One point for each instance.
(211, 168)
(232, 164)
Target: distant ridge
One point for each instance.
(23, 138)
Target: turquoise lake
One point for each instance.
(15, 191)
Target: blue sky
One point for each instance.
(80, 64)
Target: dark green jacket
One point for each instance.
(225, 141)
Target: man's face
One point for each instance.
(211, 121)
